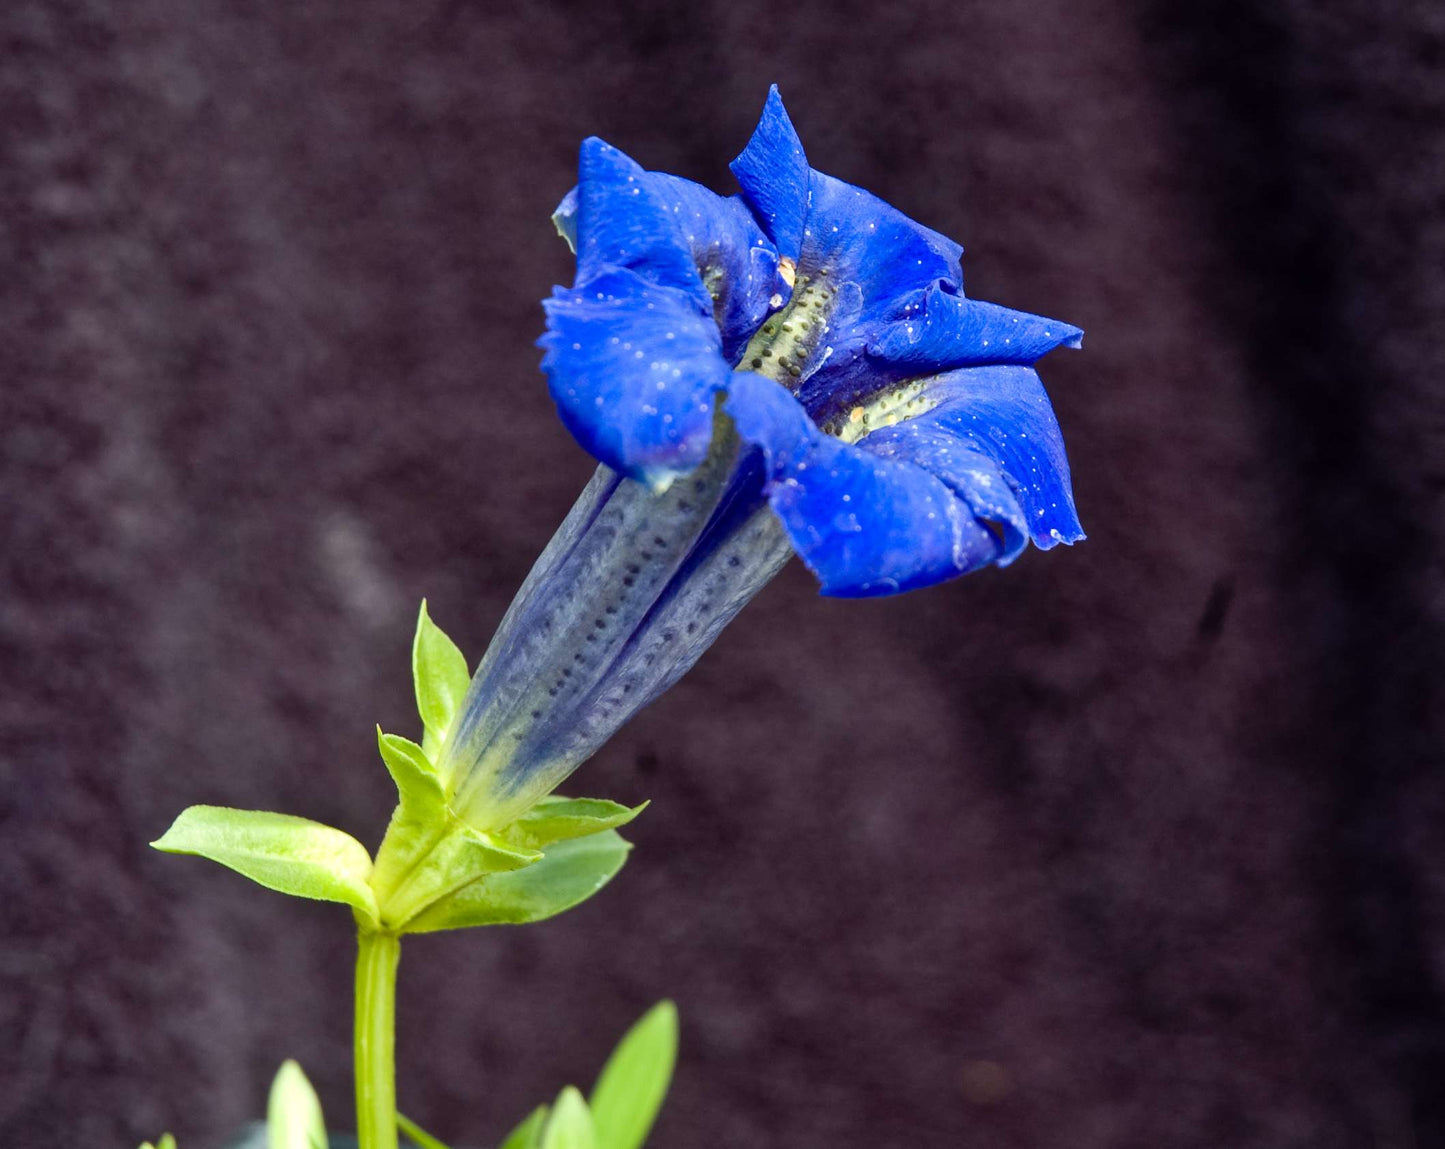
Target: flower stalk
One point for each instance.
(377, 957)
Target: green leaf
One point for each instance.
(557, 819)
(166, 1142)
(439, 671)
(293, 1113)
(414, 775)
(568, 873)
(528, 1135)
(631, 1086)
(571, 1124)
(292, 855)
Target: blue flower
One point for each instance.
(793, 370)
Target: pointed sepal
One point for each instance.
(439, 671)
(420, 817)
(559, 819)
(566, 875)
(417, 785)
(440, 866)
(279, 851)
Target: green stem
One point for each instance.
(377, 957)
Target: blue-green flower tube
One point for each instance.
(632, 589)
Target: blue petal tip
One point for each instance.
(774, 176)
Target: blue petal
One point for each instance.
(737, 263)
(633, 368)
(949, 331)
(774, 175)
(1002, 413)
(739, 267)
(971, 475)
(854, 237)
(621, 222)
(869, 264)
(864, 266)
(821, 222)
(864, 524)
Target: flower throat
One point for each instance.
(786, 346)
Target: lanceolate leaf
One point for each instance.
(570, 1126)
(631, 1086)
(292, 855)
(439, 671)
(567, 874)
(293, 1113)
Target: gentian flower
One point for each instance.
(793, 370)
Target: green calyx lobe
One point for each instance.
(433, 870)
(558, 819)
(437, 872)
(430, 854)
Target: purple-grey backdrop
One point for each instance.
(1135, 844)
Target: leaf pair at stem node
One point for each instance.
(433, 871)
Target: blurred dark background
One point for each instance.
(1134, 844)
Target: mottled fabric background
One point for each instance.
(1134, 844)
